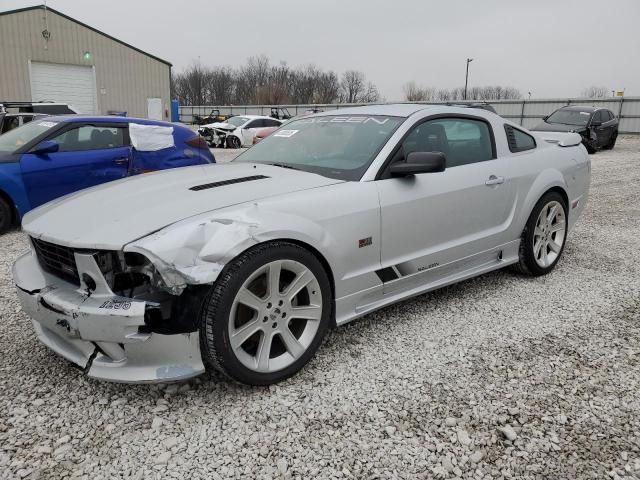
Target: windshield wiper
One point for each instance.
(284, 165)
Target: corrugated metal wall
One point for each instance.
(125, 78)
(523, 112)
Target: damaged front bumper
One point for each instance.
(100, 332)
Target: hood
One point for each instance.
(557, 127)
(113, 214)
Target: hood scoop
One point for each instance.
(207, 186)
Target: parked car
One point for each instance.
(236, 132)
(47, 108)
(9, 121)
(58, 155)
(263, 133)
(598, 127)
(243, 267)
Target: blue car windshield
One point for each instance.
(15, 139)
(337, 146)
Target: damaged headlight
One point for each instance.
(192, 252)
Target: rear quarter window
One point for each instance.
(518, 140)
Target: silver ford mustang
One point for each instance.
(242, 267)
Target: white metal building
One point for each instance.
(46, 55)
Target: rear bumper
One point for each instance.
(100, 333)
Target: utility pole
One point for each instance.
(466, 78)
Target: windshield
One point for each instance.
(237, 121)
(334, 146)
(569, 117)
(14, 139)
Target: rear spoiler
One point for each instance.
(563, 139)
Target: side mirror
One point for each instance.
(419, 162)
(46, 147)
(544, 119)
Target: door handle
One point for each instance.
(122, 160)
(493, 180)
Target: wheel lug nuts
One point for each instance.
(284, 314)
(274, 325)
(280, 303)
(269, 305)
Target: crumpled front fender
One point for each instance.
(194, 251)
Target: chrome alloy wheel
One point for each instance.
(549, 234)
(275, 316)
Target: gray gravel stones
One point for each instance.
(418, 390)
(508, 432)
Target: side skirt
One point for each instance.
(401, 288)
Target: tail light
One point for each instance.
(197, 142)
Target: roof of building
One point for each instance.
(49, 9)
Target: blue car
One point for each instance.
(54, 156)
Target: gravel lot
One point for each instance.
(498, 377)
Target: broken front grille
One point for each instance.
(57, 260)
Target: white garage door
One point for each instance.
(72, 84)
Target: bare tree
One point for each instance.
(260, 82)
(220, 85)
(415, 93)
(370, 95)
(190, 85)
(352, 86)
(412, 92)
(275, 88)
(327, 89)
(596, 92)
(444, 95)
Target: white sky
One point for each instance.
(552, 48)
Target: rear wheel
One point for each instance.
(6, 215)
(544, 235)
(267, 314)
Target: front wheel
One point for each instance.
(233, 142)
(544, 235)
(266, 314)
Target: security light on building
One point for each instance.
(60, 59)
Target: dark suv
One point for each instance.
(597, 126)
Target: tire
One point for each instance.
(612, 142)
(267, 342)
(542, 243)
(590, 148)
(6, 216)
(233, 142)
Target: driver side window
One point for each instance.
(462, 140)
(89, 137)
